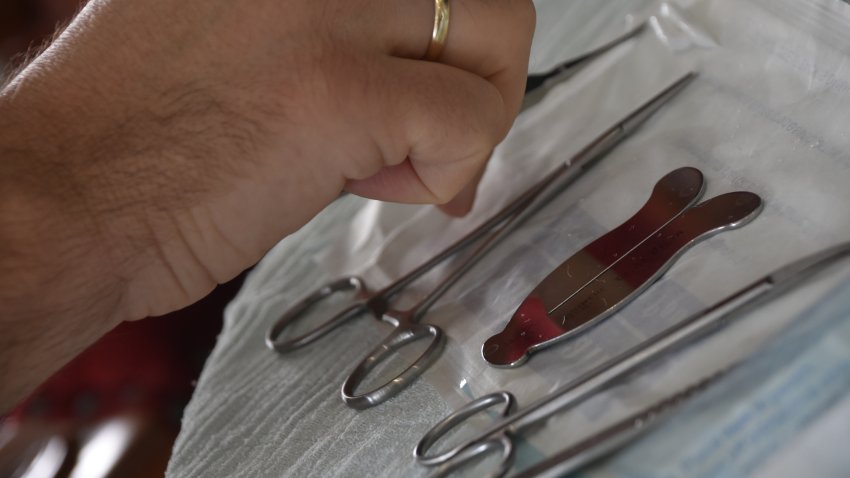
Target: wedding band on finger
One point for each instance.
(440, 32)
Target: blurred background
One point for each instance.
(28, 23)
(116, 409)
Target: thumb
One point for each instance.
(462, 203)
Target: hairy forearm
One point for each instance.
(121, 199)
(50, 252)
(89, 233)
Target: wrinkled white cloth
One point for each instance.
(768, 113)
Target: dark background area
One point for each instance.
(25, 24)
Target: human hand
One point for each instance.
(164, 146)
(247, 119)
(158, 148)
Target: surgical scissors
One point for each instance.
(406, 323)
(501, 435)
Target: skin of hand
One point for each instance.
(158, 148)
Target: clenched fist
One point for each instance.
(159, 147)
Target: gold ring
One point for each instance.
(441, 30)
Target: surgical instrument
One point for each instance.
(406, 323)
(501, 435)
(536, 86)
(616, 435)
(562, 307)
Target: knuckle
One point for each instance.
(476, 133)
(476, 149)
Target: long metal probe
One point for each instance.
(615, 436)
(687, 331)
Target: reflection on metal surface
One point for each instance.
(557, 310)
(49, 460)
(674, 193)
(108, 443)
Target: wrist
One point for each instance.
(57, 291)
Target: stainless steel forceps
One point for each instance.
(501, 435)
(406, 323)
(537, 85)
